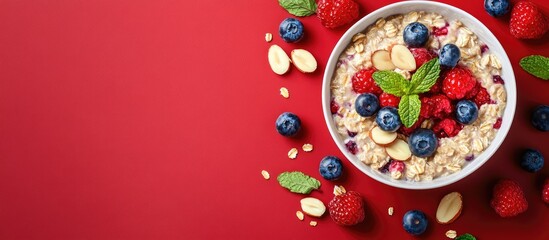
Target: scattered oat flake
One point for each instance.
(265, 174)
(284, 92)
(300, 215)
(451, 234)
(268, 37)
(292, 154)
(313, 223)
(307, 147)
(390, 211)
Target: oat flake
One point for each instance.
(307, 147)
(300, 215)
(284, 92)
(265, 174)
(268, 37)
(390, 211)
(451, 234)
(313, 223)
(292, 154)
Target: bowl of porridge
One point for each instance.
(418, 94)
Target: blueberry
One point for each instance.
(423, 142)
(414, 222)
(288, 124)
(291, 30)
(330, 168)
(366, 104)
(540, 118)
(466, 112)
(496, 8)
(449, 55)
(532, 160)
(416, 34)
(388, 120)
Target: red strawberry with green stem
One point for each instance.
(527, 21)
(336, 13)
(346, 208)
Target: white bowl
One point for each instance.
(450, 13)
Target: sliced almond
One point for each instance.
(402, 58)
(299, 215)
(303, 60)
(449, 208)
(381, 59)
(278, 60)
(382, 138)
(312, 206)
(399, 150)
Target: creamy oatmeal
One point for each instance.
(453, 152)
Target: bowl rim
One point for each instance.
(495, 46)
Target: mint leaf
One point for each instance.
(466, 236)
(536, 65)
(297, 182)
(425, 77)
(391, 82)
(408, 109)
(299, 8)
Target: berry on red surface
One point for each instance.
(458, 82)
(421, 55)
(336, 13)
(363, 82)
(347, 207)
(527, 21)
(482, 97)
(508, 199)
(446, 128)
(334, 107)
(545, 191)
(388, 100)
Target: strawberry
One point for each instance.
(346, 208)
(508, 199)
(363, 82)
(421, 55)
(388, 100)
(336, 13)
(458, 82)
(545, 191)
(527, 21)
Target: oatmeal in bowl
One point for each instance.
(418, 94)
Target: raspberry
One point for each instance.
(334, 107)
(458, 82)
(437, 106)
(407, 131)
(497, 124)
(482, 97)
(363, 82)
(351, 146)
(336, 13)
(388, 100)
(396, 166)
(426, 110)
(508, 199)
(471, 94)
(437, 88)
(440, 31)
(527, 21)
(545, 191)
(446, 128)
(346, 208)
(484, 48)
(498, 79)
(421, 55)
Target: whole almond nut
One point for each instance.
(313, 207)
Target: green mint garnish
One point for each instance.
(393, 83)
(466, 236)
(536, 65)
(298, 182)
(299, 8)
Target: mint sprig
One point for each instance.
(393, 83)
(298, 182)
(299, 8)
(466, 236)
(536, 65)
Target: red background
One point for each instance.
(153, 120)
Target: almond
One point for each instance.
(312, 207)
(382, 138)
(402, 58)
(381, 59)
(303, 60)
(399, 150)
(278, 60)
(449, 208)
